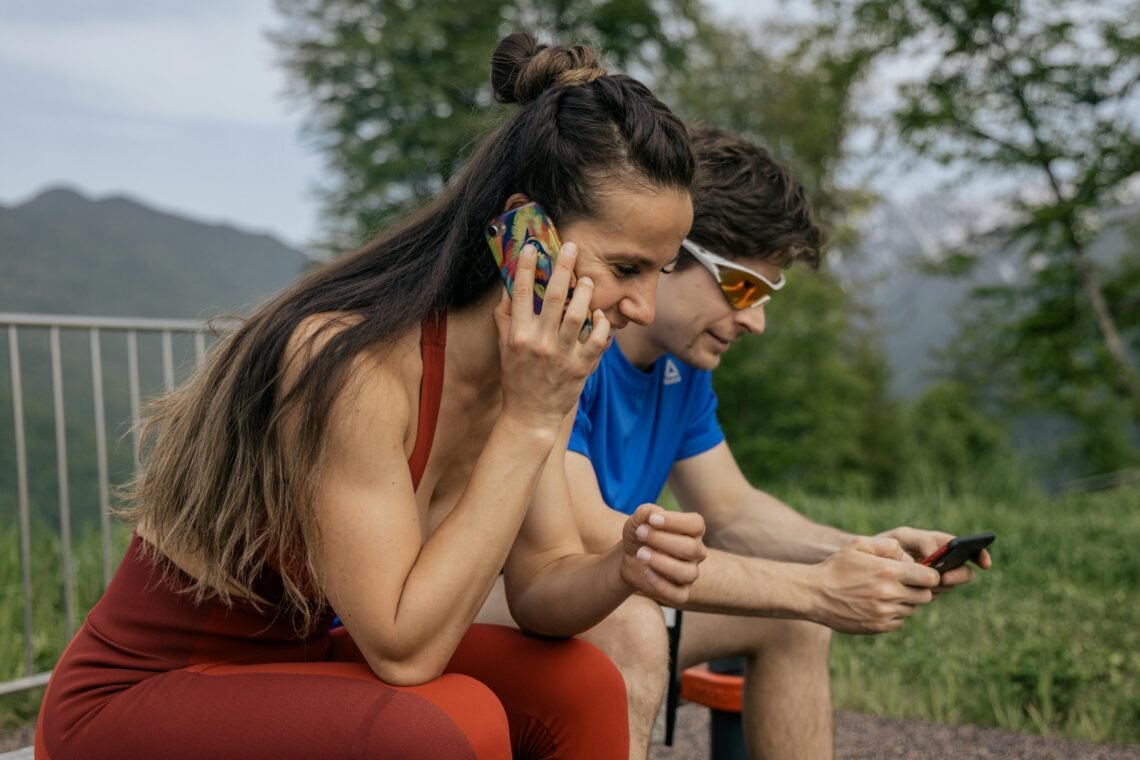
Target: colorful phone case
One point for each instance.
(507, 235)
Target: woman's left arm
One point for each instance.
(554, 588)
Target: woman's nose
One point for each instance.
(639, 306)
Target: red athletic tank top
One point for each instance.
(433, 340)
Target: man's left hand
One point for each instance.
(920, 544)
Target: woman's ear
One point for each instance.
(516, 200)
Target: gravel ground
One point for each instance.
(13, 739)
(870, 737)
(860, 737)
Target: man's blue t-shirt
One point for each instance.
(633, 425)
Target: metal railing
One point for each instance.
(97, 329)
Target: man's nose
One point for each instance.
(752, 320)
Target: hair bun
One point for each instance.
(522, 69)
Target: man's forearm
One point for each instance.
(766, 527)
(737, 585)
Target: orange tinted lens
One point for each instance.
(741, 289)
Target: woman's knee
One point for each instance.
(470, 707)
(590, 679)
(584, 708)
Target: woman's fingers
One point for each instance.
(544, 362)
(673, 570)
(576, 313)
(557, 289)
(686, 547)
(665, 550)
(676, 534)
(598, 340)
(522, 289)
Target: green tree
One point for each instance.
(956, 446)
(1044, 93)
(793, 99)
(807, 403)
(399, 95)
(398, 91)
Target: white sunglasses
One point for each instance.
(742, 287)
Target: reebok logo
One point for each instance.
(672, 374)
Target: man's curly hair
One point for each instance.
(747, 204)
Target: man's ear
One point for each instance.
(516, 200)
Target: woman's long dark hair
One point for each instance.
(218, 483)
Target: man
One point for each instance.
(647, 416)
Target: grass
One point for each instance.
(1047, 642)
(49, 624)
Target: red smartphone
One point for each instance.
(956, 551)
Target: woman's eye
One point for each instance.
(626, 271)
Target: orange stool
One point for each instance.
(720, 691)
(720, 688)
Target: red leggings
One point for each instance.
(248, 687)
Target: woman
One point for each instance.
(373, 444)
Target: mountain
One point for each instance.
(919, 313)
(65, 253)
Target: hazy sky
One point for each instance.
(179, 104)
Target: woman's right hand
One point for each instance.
(661, 553)
(545, 365)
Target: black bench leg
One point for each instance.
(726, 729)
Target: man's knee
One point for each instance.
(634, 635)
(797, 637)
(635, 638)
(706, 637)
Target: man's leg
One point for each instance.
(634, 637)
(787, 688)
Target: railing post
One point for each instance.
(55, 323)
(101, 452)
(133, 381)
(22, 491)
(64, 491)
(167, 361)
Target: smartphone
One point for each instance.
(506, 236)
(956, 551)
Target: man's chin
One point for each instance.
(702, 360)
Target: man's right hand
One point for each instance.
(871, 586)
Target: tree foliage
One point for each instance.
(397, 91)
(397, 96)
(1043, 92)
(807, 403)
(955, 446)
(794, 102)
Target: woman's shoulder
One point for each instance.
(378, 379)
(315, 331)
